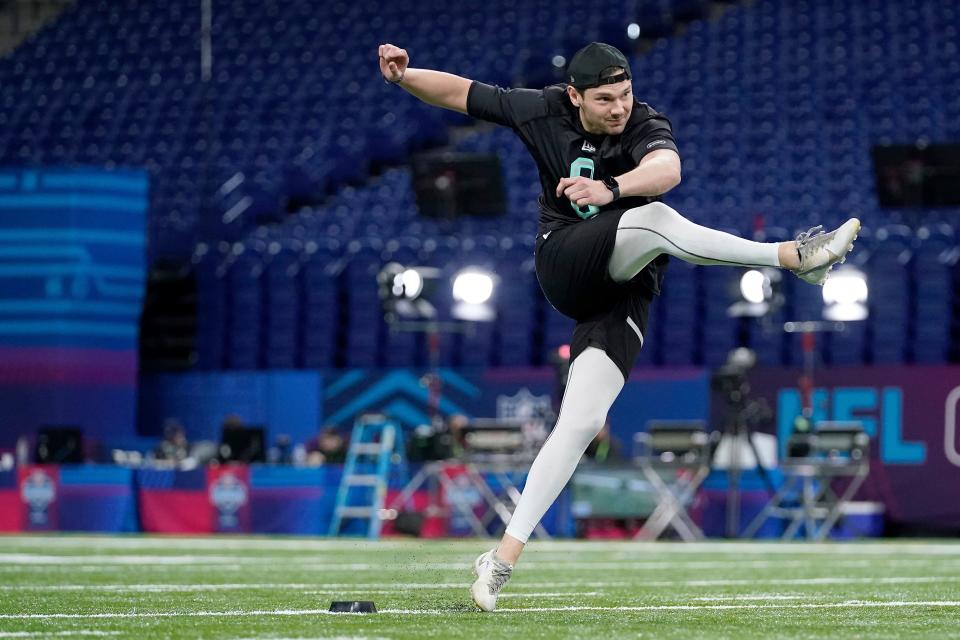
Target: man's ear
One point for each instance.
(575, 96)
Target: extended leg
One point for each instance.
(593, 384)
(648, 231)
(653, 229)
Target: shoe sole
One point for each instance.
(842, 259)
(475, 603)
(476, 574)
(849, 246)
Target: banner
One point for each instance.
(293, 500)
(911, 414)
(72, 276)
(680, 393)
(11, 512)
(239, 499)
(228, 488)
(39, 489)
(174, 501)
(97, 497)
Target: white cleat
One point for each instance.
(820, 251)
(492, 573)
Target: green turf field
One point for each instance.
(228, 587)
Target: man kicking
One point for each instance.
(604, 158)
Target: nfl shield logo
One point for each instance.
(523, 406)
(38, 491)
(228, 495)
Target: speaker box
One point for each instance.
(449, 185)
(243, 444)
(59, 445)
(917, 175)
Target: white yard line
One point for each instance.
(217, 543)
(55, 634)
(547, 594)
(751, 547)
(849, 604)
(399, 588)
(398, 592)
(27, 560)
(221, 543)
(159, 588)
(805, 581)
(746, 598)
(47, 559)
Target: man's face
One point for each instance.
(605, 109)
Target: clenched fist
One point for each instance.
(393, 62)
(584, 191)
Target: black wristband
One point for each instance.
(611, 183)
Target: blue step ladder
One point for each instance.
(366, 472)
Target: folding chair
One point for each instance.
(679, 451)
(814, 460)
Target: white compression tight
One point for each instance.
(653, 229)
(593, 383)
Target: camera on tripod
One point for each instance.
(730, 380)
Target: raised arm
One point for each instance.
(433, 87)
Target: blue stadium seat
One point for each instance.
(775, 105)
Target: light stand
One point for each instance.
(760, 296)
(411, 296)
(808, 331)
(845, 300)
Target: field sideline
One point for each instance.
(265, 587)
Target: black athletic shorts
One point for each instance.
(572, 267)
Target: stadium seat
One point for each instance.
(776, 107)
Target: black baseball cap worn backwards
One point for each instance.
(589, 63)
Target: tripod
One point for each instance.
(744, 412)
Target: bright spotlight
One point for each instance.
(845, 287)
(845, 295)
(472, 287)
(472, 293)
(633, 31)
(405, 291)
(754, 286)
(759, 294)
(408, 284)
(418, 293)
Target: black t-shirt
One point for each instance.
(550, 127)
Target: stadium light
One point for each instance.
(404, 291)
(754, 286)
(759, 294)
(417, 293)
(472, 292)
(408, 284)
(845, 295)
(472, 286)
